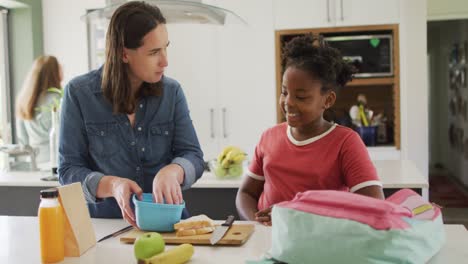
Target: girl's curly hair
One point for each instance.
(312, 54)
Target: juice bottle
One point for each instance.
(51, 227)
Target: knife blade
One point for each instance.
(221, 230)
(116, 233)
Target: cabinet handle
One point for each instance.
(342, 12)
(224, 123)
(328, 11)
(212, 122)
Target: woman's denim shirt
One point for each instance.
(95, 142)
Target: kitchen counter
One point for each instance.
(19, 243)
(393, 173)
(208, 195)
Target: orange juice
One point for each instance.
(51, 227)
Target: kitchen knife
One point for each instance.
(221, 230)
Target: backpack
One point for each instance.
(343, 227)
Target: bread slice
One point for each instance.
(193, 232)
(194, 222)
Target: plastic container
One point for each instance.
(368, 134)
(151, 216)
(51, 227)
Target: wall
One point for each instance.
(442, 35)
(414, 86)
(65, 33)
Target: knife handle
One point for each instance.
(229, 221)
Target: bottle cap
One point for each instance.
(49, 193)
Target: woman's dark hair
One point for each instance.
(127, 27)
(312, 54)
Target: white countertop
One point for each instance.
(393, 173)
(19, 243)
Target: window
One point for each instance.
(5, 95)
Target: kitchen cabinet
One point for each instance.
(383, 93)
(226, 73)
(298, 14)
(366, 12)
(446, 10)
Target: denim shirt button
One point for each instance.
(102, 133)
(137, 168)
(139, 128)
(132, 143)
(141, 105)
(143, 149)
(166, 133)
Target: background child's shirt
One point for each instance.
(334, 160)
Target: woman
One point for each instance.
(126, 127)
(34, 105)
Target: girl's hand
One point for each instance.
(122, 190)
(166, 185)
(264, 216)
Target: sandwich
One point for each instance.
(195, 225)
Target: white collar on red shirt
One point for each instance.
(309, 140)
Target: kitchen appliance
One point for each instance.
(175, 12)
(371, 54)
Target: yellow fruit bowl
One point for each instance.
(233, 171)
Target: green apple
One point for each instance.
(148, 245)
(235, 170)
(220, 171)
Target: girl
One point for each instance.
(307, 152)
(34, 123)
(126, 128)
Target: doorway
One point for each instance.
(448, 118)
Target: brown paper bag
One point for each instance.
(79, 232)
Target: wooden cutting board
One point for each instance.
(236, 235)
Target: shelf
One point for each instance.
(371, 81)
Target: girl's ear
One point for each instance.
(330, 99)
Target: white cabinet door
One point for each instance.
(228, 75)
(298, 14)
(246, 75)
(366, 12)
(192, 62)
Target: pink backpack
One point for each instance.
(343, 227)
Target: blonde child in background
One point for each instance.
(307, 152)
(33, 123)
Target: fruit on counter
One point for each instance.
(148, 245)
(229, 162)
(235, 170)
(220, 171)
(231, 155)
(177, 255)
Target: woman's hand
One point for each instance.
(264, 216)
(166, 184)
(122, 189)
